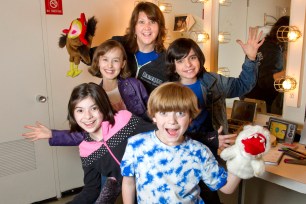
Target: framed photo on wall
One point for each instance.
(183, 23)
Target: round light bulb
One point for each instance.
(162, 8)
(221, 38)
(292, 35)
(287, 84)
(201, 37)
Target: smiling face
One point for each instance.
(187, 68)
(111, 64)
(146, 32)
(88, 117)
(171, 126)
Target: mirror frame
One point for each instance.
(295, 60)
(295, 52)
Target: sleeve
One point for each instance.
(144, 93)
(127, 162)
(91, 189)
(66, 138)
(144, 98)
(214, 176)
(235, 87)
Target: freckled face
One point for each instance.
(171, 126)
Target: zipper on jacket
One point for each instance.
(139, 66)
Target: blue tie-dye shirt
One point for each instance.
(170, 174)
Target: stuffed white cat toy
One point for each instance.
(244, 158)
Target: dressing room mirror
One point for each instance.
(261, 13)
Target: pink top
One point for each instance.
(121, 119)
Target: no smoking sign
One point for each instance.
(54, 7)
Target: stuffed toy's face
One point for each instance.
(244, 158)
(255, 144)
(75, 30)
(254, 141)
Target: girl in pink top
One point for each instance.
(105, 134)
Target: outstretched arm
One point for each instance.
(56, 137)
(237, 87)
(38, 132)
(253, 43)
(231, 185)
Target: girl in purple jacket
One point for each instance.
(102, 143)
(124, 92)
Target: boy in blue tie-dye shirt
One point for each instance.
(165, 165)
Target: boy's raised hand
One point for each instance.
(253, 43)
(38, 132)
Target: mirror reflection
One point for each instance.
(268, 16)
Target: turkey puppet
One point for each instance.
(78, 39)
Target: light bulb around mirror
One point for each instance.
(165, 7)
(288, 34)
(220, 38)
(287, 84)
(293, 36)
(224, 37)
(202, 37)
(225, 2)
(199, 36)
(162, 8)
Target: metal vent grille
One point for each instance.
(16, 157)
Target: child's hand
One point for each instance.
(253, 43)
(38, 132)
(225, 140)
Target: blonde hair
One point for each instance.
(173, 96)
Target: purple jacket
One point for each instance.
(134, 96)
